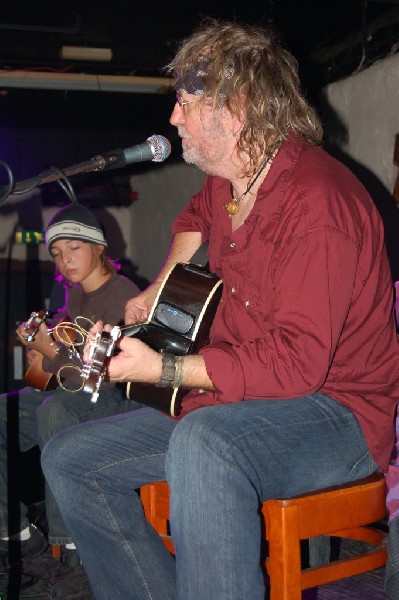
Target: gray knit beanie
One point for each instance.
(74, 223)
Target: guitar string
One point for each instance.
(76, 368)
(61, 329)
(123, 327)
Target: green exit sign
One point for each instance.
(29, 236)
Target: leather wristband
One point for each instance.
(168, 370)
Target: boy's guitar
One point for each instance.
(35, 375)
(179, 323)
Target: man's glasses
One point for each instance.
(182, 103)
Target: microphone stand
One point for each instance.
(98, 163)
(101, 162)
(155, 148)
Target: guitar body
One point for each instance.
(179, 323)
(39, 379)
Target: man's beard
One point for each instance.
(194, 156)
(190, 155)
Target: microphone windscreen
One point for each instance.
(161, 147)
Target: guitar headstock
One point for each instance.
(101, 348)
(32, 325)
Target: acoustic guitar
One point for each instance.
(35, 376)
(179, 323)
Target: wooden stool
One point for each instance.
(155, 499)
(339, 511)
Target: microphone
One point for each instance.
(156, 148)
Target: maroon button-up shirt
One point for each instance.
(307, 299)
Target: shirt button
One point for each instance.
(233, 290)
(246, 303)
(232, 245)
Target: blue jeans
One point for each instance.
(18, 432)
(29, 418)
(221, 463)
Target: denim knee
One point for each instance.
(194, 432)
(51, 417)
(199, 443)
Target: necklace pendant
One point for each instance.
(232, 207)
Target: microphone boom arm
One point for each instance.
(98, 163)
(156, 148)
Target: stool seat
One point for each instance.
(342, 511)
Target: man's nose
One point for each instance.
(177, 116)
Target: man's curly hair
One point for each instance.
(247, 68)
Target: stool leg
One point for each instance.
(284, 562)
(56, 550)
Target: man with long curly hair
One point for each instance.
(295, 390)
